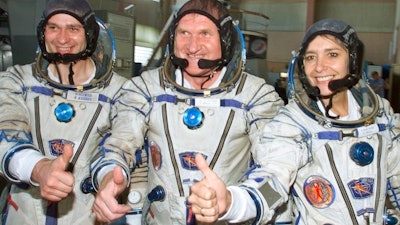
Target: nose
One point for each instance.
(63, 36)
(319, 65)
(193, 44)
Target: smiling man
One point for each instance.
(334, 148)
(200, 101)
(54, 113)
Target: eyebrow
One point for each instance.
(68, 25)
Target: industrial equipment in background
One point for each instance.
(5, 42)
(122, 27)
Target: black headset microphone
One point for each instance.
(183, 63)
(203, 63)
(207, 64)
(348, 81)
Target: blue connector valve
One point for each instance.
(193, 118)
(391, 220)
(362, 153)
(64, 112)
(87, 186)
(157, 194)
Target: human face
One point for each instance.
(197, 38)
(325, 59)
(64, 34)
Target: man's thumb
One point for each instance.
(202, 165)
(119, 179)
(66, 156)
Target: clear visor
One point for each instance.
(362, 92)
(103, 57)
(232, 73)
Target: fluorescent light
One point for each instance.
(129, 7)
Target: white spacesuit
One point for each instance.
(177, 122)
(341, 170)
(172, 144)
(40, 114)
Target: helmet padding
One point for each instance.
(219, 15)
(79, 9)
(348, 36)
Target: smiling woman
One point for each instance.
(329, 143)
(324, 60)
(330, 62)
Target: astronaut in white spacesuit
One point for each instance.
(334, 147)
(54, 115)
(200, 101)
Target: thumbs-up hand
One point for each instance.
(54, 182)
(106, 206)
(209, 197)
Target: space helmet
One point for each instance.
(300, 90)
(233, 48)
(218, 13)
(80, 10)
(103, 56)
(348, 36)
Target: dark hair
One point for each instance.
(348, 36)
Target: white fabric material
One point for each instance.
(353, 114)
(236, 142)
(21, 120)
(22, 164)
(186, 84)
(292, 156)
(55, 78)
(103, 171)
(242, 206)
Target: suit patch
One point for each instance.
(319, 191)
(188, 160)
(156, 157)
(57, 146)
(362, 187)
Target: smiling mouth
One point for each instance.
(196, 56)
(325, 78)
(64, 50)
